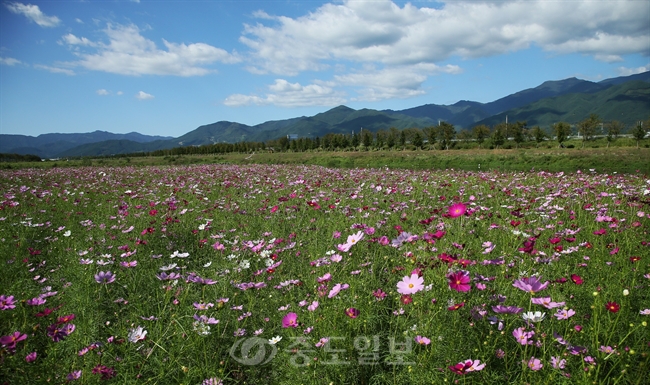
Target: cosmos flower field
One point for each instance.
(219, 274)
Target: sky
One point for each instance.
(168, 67)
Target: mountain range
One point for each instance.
(626, 99)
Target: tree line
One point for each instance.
(441, 137)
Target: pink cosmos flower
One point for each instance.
(351, 241)
(422, 340)
(31, 357)
(546, 302)
(456, 210)
(459, 281)
(290, 320)
(535, 364)
(325, 278)
(313, 306)
(410, 285)
(337, 289)
(522, 336)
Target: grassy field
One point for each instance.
(286, 274)
(553, 159)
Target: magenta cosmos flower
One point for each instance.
(530, 284)
(422, 340)
(352, 312)
(456, 210)
(290, 320)
(459, 281)
(11, 340)
(105, 277)
(467, 366)
(410, 285)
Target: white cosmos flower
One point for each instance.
(137, 334)
(67, 233)
(168, 267)
(537, 316)
(275, 340)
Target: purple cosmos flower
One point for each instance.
(507, 309)
(7, 303)
(564, 314)
(530, 284)
(557, 363)
(35, 301)
(575, 350)
(105, 277)
(73, 376)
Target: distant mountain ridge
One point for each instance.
(52, 145)
(626, 99)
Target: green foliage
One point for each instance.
(562, 131)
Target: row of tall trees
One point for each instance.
(440, 137)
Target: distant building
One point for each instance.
(292, 136)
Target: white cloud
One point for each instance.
(129, 53)
(380, 50)
(33, 12)
(102, 92)
(144, 96)
(9, 61)
(623, 71)
(119, 93)
(382, 32)
(56, 70)
(78, 20)
(71, 39)
(285, 94)
(397, 82)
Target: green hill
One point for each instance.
(628, 103)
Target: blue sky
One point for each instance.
(165, 68)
